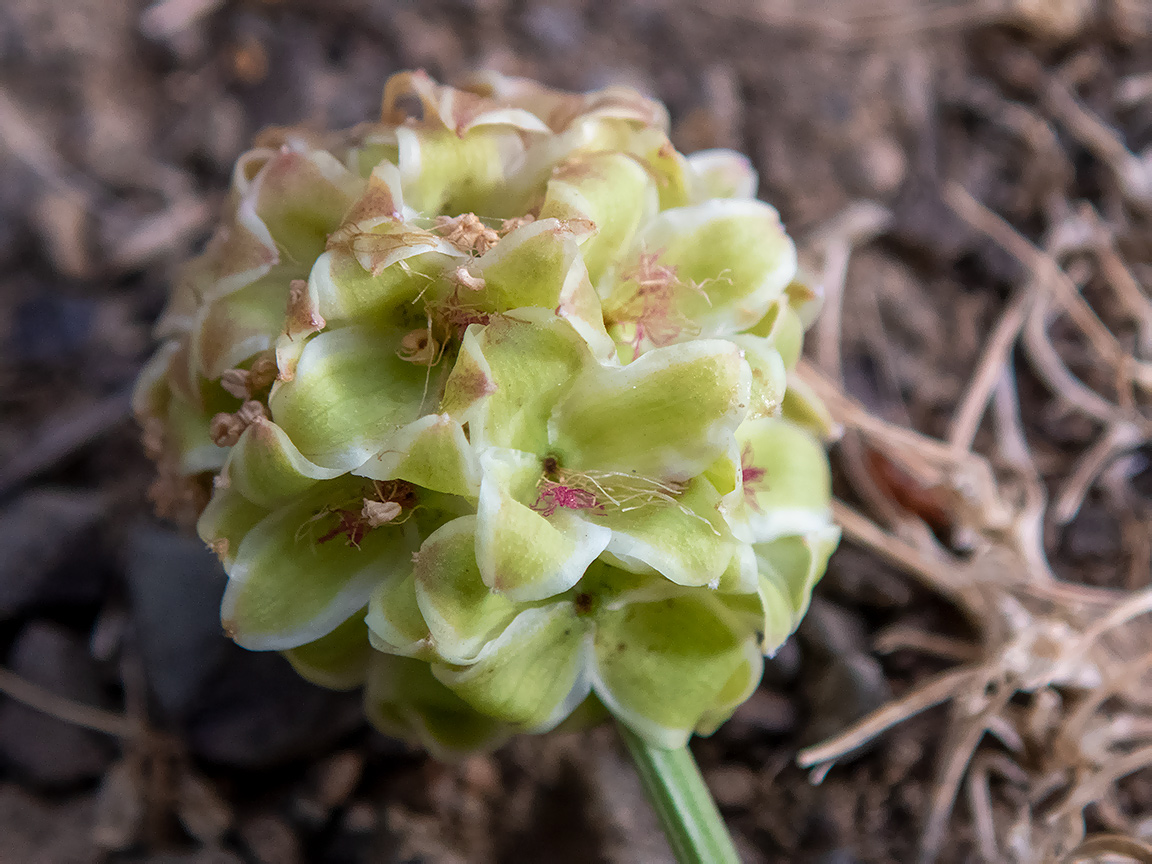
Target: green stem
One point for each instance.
(687, 813)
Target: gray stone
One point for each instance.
(238, 707)
(829, 630)
(841, 692)
(42, 531)
(34, 830)
(51, 752)
(255, 711)
(175, 584)
(766, 712)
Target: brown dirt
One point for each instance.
(118, 126)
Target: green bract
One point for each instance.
(494, 404)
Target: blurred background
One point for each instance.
(911, 147)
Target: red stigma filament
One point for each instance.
(554, 497)
(750, 475)
(351, 524)
(652, 308)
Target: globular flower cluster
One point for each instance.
(488, 408)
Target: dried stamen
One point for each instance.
(510, 225)
(467, 233)
(246, 383)
(225, 429)
(377, 513)
(419, 347)
(393, 497)
(463, 278)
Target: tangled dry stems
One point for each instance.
(1051, 706)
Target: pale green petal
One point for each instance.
(613, 191)
(343, 289)
(806, 296)
(769, 376)
(232, 328)
(469, 384)
(742, 575)
(796, 564)
(802, 406)
(685, 540)
(666, 416)
(462, 614)
(338, 661)
(350, 393)
(722, 174)
(508, 377)
(404, 700)
(381, 201)
(786, 485)
(187, 433)
(237, 255)
(729, 259)
(724, 473)
(530, 266)
(779, 612)
(443, 172)
(663, 667)
(226, 520)
(665, 163)
(539, 265)
(432, 452)
(782, 326)
(301, 197)
(521, 554)
(459, 109)
(736, 690)
(531, 676)
(395, 623)
(151, 391)
(286, 588)
(265, 467)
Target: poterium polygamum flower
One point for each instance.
(490, 408)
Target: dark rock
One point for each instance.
(859, 578)
(33, 830)
(765, 713)
(838, 856)
(44, 531)
(842, 681)
(271, 840)
(783, 666)
(832, 631)
(255, 711)
(1142, 472)
(19, 183)
(238, 707)
(50, 752)
(842, 691)
(175, 584)
(52, 329)
(200, 856)
(1093, 535)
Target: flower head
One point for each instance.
(487, 406)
